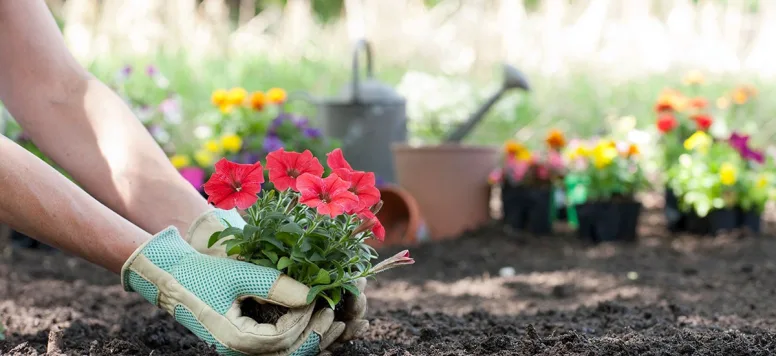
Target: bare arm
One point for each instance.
(38, 200)
(85, 127)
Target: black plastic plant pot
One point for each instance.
(750, 220)
(540, 211)
(587, 215)
(723, 220)
(675, 219)
(607, 225)
(514, 204)
(697, 225)
(527, 209)
(630, 212)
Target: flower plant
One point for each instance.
(605, 170)
(532, 169)
(260, 120)
(312, 227)
(707, 175)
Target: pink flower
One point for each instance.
(400, 259)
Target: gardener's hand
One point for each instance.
(216, 220)
(204, 292)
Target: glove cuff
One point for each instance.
(164, 250)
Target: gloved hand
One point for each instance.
(204, 292)
(213, 220)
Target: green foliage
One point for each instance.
(697, 178)
(326, 254)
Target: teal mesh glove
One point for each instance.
(216, 220)
(204, 292)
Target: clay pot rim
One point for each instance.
(415, 219)
(445, 147)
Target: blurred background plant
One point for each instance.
(589, 75)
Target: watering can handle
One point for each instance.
(361, 44)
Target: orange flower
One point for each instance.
(670, 99)
(633, 150)
(555, 139)
(257, 100)
(743, 93)
(276, 96)
(699, 103)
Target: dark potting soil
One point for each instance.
(663, 295)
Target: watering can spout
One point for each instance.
(513, 79)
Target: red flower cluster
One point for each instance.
(344, 191)
(666, 122)
(703, 121)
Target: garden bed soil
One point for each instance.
(493, 292)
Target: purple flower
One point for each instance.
(151, 71)
(171, 110)
(740, 143)
(311, 132)
(277, 122)
(126, 71)
(247, 158)
(301, 122)
(272, 143)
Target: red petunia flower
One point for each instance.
(234, 185)
(666, 123)
(286, 167)
(330, 195)
(336, 160)
(362, 184)
(378, 229)
(703, 121)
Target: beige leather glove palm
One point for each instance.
(203, 293)
(212, 221)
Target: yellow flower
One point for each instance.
(727, 173)
(580, 151)
(257, 100)
(226, 108)
(512, 147)
(762, 181)
(276, 95)
(604, 153)
(524, 155)
(236, 96)
(218, 98)
(213, 146)
(204, 158)
(694, 77)
(555, 139)
(699, 140)
(231, 143)
(180, 161)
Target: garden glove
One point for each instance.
(204, 292)
(215, 220)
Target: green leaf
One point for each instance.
(231, 231)
(336, 296)
(213, 239)
(352, 289)
(292, 228)
(250, 231)
(263, 262)
(323, 277)
(332, 304)
(284, 262)
(314, 291)
(275, 216)
(233, 247)
(316, 257)
(272, 240)
(272, 256)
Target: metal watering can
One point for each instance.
(367, 118)
(513, 79)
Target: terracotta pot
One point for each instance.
(449, 183)
(401, 218)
